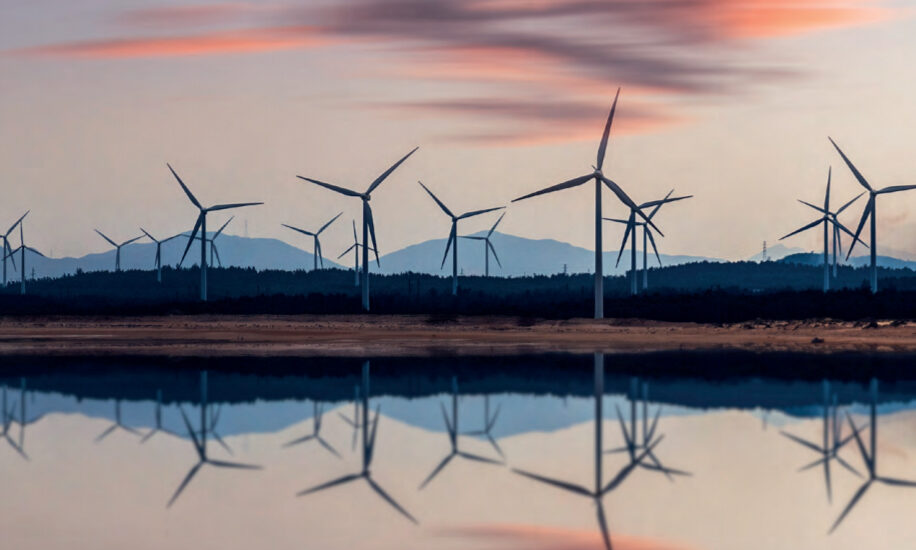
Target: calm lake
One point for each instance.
(649, 452)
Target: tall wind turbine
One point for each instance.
(631, 229)
(7, 251)
(355, 248)
(869, 212)
(159, 251)
(201, 224)
(827, 218)
(453, 234)
(368, 224)
(599, 178)
(488, 246)
(316, 254)
(118, 247)
(22, 250)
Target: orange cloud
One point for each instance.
(224, 42)
(762, 20)
(529, 537)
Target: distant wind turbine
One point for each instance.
(599, 178)
(355, 248)
(22, 250)
(117, 424)
(488, 246)
(827, 219)
(7, 251)
(157, 416)
(453, 234)
(159, 251)
(368, 223)
(317, 415)
(118, 247)
(214, 250)
(316, 255)
(631, 230)
(201, 224)
(869, 212)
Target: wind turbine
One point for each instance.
(201, 224)
(827, 218)
(22, 250)
(869, 212)
(870, 457)
(453, 234)
(7, 417)
(200, 445)
(355, 248)
(489, 422)
(488, 246)
(7, 251)
(452, 427)
(117, 247)
(368, 224)
(117, 424)
(631, 229)
(368, 453)
(355, 422)
(214, 251)
(316, 433)
(316, 255)
(158, 251)
(157, 415)
(600, 489)
(832, 441)
(599, 178)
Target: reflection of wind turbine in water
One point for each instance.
(117, 424)
(832, 441)
(316, 433)
(355, 422)
(23, 415)
(600, 489)
(870, 457)
(6, 414)
(632, 440)
(200, 445)
(452, 427)
(158, 418)
(368, 451)
(488, 423)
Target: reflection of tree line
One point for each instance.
(640, 436)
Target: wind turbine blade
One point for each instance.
(897, 482)
(148, 235)
(436, 470)
(378, 181)
(342, 254)
(325, 226)
(479, 212)
(10, 255)
(191, 238)
(850, 506)
(33, 251)
(654, 248)
(372, 231)
(381, 492)
(478, 458)
(659, 202)
(236, 465)
(114, 244)
(302, 439)
(341, 190)
(848, 204)
(852, 168)
(22, 217)
(448, 423)
(106, 433)
(801, 441)
(818, 208)
(219, 261)
(575, 182)
(554, 482)
(626, 235)
(495, 256)
(320, 255)
(615, 220)
(629, 202)
(219, 232)
(602, 149)
(355, 238)
(492, 229)
(329, 484)
(602, 522)
(868, 460)
(125, 243)
(805, 228)
(827, 196)
(303, 231)
(895, 188)
(184, 483)
(846, 465)
(865, 213)
(840, 227)
(185, 187)
(448, 245)
(435, 198)
(473, 238)
(198, 446)
(328, 446)
(233, 205)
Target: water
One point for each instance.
(543, 452)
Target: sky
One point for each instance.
(728, 100)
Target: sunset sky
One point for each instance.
(731, 101)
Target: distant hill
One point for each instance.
(814, 258)
(776, 252)
(519, 257)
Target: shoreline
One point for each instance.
(424, 335)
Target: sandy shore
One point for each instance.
(422, 335)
